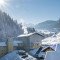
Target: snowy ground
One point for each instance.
(54, 40)
(14, 56)
(54, 55)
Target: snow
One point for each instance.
(11, 56)
(54, 42)
(58, 35)
(45, 31)
(33, 52)
(51, 40)
(42, 54)
(15, 43)
(8, 27)
(14, 56)
(2, 44)
(54, 55)
(24, 35)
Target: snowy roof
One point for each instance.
(2, 43)
(25, 35)
(14, 56)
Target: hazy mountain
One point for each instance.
(9, 27)
(49, 25)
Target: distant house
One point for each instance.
(31, 40)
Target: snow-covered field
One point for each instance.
(52, 40)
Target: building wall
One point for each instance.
(35, 41)
(32, 41)
(26, 43)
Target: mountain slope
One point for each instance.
(49, 25)
(8, 28)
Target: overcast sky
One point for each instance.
(33, 11)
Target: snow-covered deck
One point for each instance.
(14, 56)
